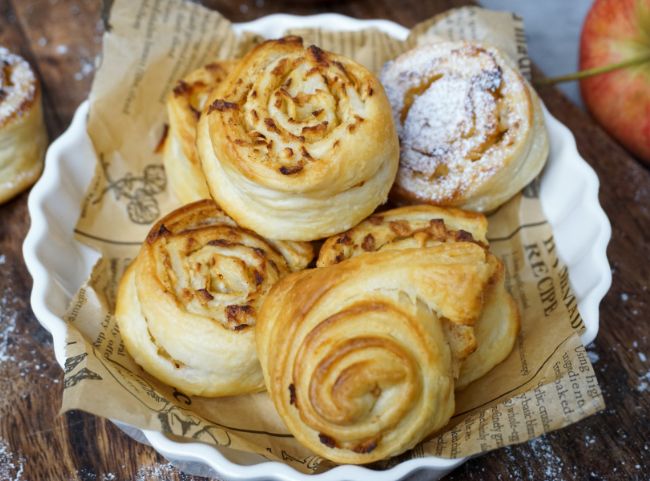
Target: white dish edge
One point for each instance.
(50, 295)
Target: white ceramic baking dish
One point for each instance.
(59, 264)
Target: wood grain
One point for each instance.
(61, 39)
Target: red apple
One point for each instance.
(616, 31)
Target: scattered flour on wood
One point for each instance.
(85, 474)
(12, 465)
(159, 472)
(21, 363)
(589, 440)
(87, 66)
(644, 383)
(542, 449)
(525, 463)
(8, 317)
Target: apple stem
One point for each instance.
(631, 62)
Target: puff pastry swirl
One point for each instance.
(476, 348)
(187, 305)
(471, 128)
(354, 355)
(298, 143)
(184, 106)
(22, 132)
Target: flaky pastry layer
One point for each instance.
(298, 143)
(354, 355)
(23, 137)
(476, 347)
(184, 106)
(188, 304)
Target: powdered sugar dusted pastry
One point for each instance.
(184, 106)
(298, 143)
(471, 128)
(187, 306)
(22, 132)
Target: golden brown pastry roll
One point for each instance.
(403, 228)
(298, 143)
(184, 106)
(471, 128)
(187, 306)
(354, 355)
(476, 348)
(23, 137)
(495, 331)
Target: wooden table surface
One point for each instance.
(62, 40)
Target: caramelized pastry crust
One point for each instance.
(476, 348)
(184, 106)
(495, 332)
(403, 228)
(471, 128)
(187, 306)
(354, 355)
(23, 138)
(298, 143)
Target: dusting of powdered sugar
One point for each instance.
(12, 465)
(8, 316)
(589, 440)
(161, 471)
(643, 384)
(22, 365)
(524, 462)
(459, 104)
(17, 84)
(87, 474)
(10, 379)
(145, 473)
(87, 67)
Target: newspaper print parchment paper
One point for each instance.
(546, 383)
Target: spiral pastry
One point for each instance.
(476, 348)
(187, 306)
(298, 143)
(184, 106)
(354, 355)
(471, 128)
(22, 132)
